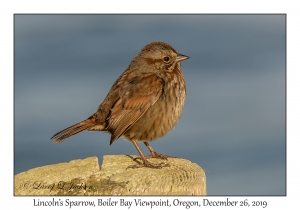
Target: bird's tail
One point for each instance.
(74, 129)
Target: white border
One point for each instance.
(8, 8)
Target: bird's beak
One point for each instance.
(181, 57)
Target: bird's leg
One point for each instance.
(155, 154)
(145, 163)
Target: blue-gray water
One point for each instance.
(233, 124)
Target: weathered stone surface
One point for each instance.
(84, 177)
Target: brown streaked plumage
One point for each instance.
(143, 104)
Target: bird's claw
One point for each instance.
(147, 164)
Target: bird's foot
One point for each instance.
(159, 156)
(149, 165)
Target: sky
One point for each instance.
(234, 121)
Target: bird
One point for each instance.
(143, 104)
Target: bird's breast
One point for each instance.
(164, 114)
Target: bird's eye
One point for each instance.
(166, 59)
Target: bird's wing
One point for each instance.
(136, 96)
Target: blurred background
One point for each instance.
(234, 121)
